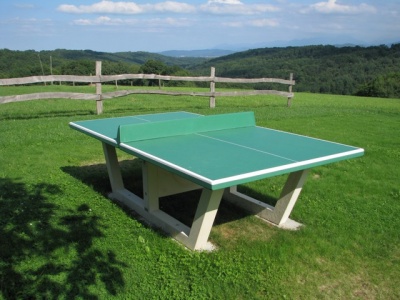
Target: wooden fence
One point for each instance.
(98, 79)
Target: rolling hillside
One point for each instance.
(350, 70)
(317, 69)
(30, 62)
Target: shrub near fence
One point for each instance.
(98, 79)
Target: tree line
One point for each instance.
(365, 71)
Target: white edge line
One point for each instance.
(84, 129)
(306, 136)
(284, 167)
(242, 146)
(242, 176)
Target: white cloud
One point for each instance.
(264, 23)
(155, 22)
(235, 7)
(103, 7)
(181, 22)
(28, 22)
(233, 24)
(111, 7)
(84, 22)
(101, 21)
(224, 2)
(331, 6)
(253, 23)
(170, 6)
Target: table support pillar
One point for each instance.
(150, 187)
(289, 195)
(114, 172)
(157, 183)
(204, 218)
(278, 214)
(196, 236)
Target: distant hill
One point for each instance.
(141, 57)
(27, 63)
(319, 69)
(207, 53)
(345, 70)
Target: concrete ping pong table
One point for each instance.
(183, 151)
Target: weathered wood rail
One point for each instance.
(98, 79)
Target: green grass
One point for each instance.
(60, 237)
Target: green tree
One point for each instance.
(383, 86)
(79, 67)
(153, 67)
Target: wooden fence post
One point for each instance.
(99, 101)
(289, 99)
(212, 88)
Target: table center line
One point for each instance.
(246, 147)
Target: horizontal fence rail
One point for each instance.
(98, 79)
(109, 78)
(48, 95)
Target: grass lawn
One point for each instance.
(61, 238)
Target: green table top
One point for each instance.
(215, 151)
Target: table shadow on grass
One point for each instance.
(180, 206)
(47, 252)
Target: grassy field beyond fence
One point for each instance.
(61, 238)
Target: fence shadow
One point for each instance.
(35, 231)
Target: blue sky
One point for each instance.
(154, 26)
